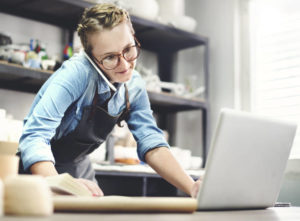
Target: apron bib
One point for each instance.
(70, 151)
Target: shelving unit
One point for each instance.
(139, 181)
(161, 39)
(153, 36)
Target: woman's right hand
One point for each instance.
(195, 188)
(91, 186)
(46, 168)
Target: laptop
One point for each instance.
(246, 162)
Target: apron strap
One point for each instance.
(127, 98)
(125, 113)
(94, 104)
(95, 96)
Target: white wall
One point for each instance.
(216, 20)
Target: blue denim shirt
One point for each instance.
(58, 106)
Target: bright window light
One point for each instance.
(275, 60)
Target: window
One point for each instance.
(275, 60)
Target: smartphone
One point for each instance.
(99, 71)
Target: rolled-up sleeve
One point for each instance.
(143, 126)
(47, 112)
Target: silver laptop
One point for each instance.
(246, 162)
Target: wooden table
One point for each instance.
(272, 214)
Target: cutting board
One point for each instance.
(125, 204)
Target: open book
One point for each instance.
(65, 184)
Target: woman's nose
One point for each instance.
(123, 63)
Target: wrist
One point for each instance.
(43, 168)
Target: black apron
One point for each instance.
(70, 151)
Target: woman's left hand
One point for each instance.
(91, 186)
(195, 188)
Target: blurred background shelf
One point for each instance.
(166, 102)
(19, 78)
(137, 180)
(154, 36)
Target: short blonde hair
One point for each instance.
(99, 17)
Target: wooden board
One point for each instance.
(125, 204)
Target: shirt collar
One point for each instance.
(103, 87)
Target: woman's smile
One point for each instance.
(123, 72)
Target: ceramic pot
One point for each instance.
(147, 9)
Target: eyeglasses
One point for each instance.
(112, 60)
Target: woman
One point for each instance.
(77, 107)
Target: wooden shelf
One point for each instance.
(153, 36)
(62, 13)
(136, 171)
(159, 38)
(165, 102)
(19, 78)
(136, 183)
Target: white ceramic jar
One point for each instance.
(147, 9)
